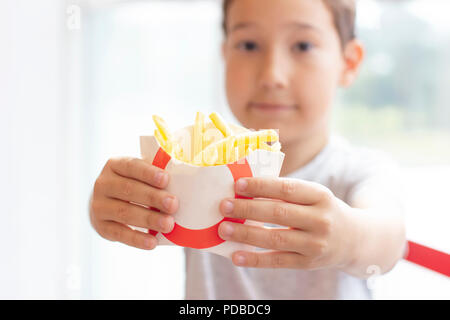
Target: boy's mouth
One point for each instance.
(272, 107)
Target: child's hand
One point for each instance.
(125, 180)
(319, 233)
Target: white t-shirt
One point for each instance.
(342, 168)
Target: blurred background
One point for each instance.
(80, 80)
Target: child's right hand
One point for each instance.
(125, 180)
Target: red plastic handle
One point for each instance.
(429, 258)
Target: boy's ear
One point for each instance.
(353, 57)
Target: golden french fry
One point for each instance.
(169, 147)
(241, 154)
(198, 136)
(252, 142)
(276, 147)
(269, 135)
(240, 146)
(166, 145)
(160, 139)
(217, 145)
(220, 147)
(178, 152)
(164, 133)
(225, 150)
(247, 152)
(210, 157)
(265, 146)
(220, 124)
(228, 152)
(162, 127)
(253, 147)
(184, 142)
(210, 136)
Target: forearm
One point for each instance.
(378, 239)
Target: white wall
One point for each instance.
(32, 162)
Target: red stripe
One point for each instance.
(197, 238)
(240, 170)
(429, 258)
(200, 238)
(160, 160)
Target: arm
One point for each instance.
(323, 231)
(377, 225)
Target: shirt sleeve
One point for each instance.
(376, 175)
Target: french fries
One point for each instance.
(220, 124)
(214, 143)
(164, 133)
(199, 127)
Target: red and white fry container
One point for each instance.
(200, 191)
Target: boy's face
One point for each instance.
(284, 63)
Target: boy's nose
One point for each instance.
(274, 72)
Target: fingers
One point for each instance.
(123, 186)
(126, 189)
(134, 215)
(271, 259)
(140, 170)
(269, 238)
(276, 212)
(115, 231)
(290, 190)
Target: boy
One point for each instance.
(333, 212)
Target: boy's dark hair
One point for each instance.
(343, 11)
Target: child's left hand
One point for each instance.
(319, 233)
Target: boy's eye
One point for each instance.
(303, 46)
(247, 46)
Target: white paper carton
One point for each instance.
(200, 191)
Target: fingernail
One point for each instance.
(240, 259)
(241, 185)
(148, 243)
(227, 207)
(166, 224)
(167, 203)
(160, 177)
(226, 229)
